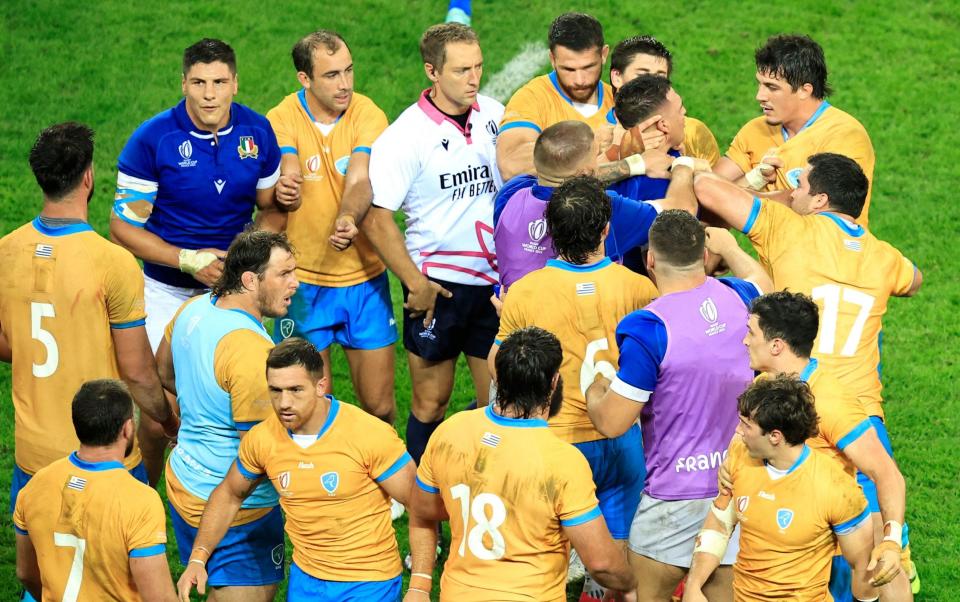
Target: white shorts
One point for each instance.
(666, 531)
(161, 301)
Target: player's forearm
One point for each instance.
(271, 220)
(703, 566)
(423, 543)
(143, 244)
(891, 493)
(680, 193)
(618, 576)
(515, 158)
(357, 197)
(747, 268)
(611, 173)
(386, 238)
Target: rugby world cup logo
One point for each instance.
(330, 482)
(708, 310)
(186, 149)
(283, 479)
(313, 163)
(742, 502)
(537, 229)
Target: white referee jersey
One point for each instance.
(445, 179)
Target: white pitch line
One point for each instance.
(517, 72)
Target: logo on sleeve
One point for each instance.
(330, 482)
(784, 518)
(186, 150)
(248, 148)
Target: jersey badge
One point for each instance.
(341, 164)
(283, 479)
(330, 482)
(586, 288)
(784, 518)
(186, 150)
(793, 177)
(248, 148)
(43, 250)
(286, 327)
(76, 483)
(276, 555)
(490, 439)
(742, 502)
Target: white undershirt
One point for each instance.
(775, 473)
(325, 128)
(303, 441)
(587, 110)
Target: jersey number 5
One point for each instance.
(831, 295)
(66, 540)
(39, 311)
(485, 526)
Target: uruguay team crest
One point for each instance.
(330, 481)
(793, 177)
(247, 148)
(286, 327)
(276, 555)
(784, 517)
(341, 164)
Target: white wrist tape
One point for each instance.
(755, 177)
(727, 516)
(637, 165)
(192, 262)
(896, 532)
(711, 542)
(685, 162)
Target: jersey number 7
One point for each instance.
(66, 540)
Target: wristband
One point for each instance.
(202, 563)
(637, 165)
(192, 262)
(420, 582)
(424, 575)
(896, 532)
(727, 516)
(712, 542)
(415, 589)
(685, 162)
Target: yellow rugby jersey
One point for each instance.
(86, 520)
(848, 272)
(787, 525)
(510, 486)
(829, 130)
(65, 289)
(323, 164)
(337, 516)
(541, 102)
(582, 306)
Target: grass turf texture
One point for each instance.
(113, 65)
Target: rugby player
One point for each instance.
(335, 469)
(770, 151)
(514, 494)
(682, 365)
(325, 131)
(212, 355)
(792, 505)
(85, 528)
(67, 292)
(436, 162)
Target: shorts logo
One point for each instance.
(742, 502)
(276, 554)
(186, 150)
(330, 481)
(428, 331)
(784, 517)
(793, 177)
(286, 327)
(341, 164)
(313, 164)
(283, 479)
(248, 148)
(537, 229)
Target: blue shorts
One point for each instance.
(355, 317)
(20, 479)
(250, 554)
(307, 587)
(619, 470)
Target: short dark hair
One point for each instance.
(576, 31)
(797, 59)
(296, 352)
(783, 403)
(209, 50)
(433, 43)
(563, 146)
(59, 157)
(792, 317)
(576, 215)
(623, 53)
(303, 50)
(249, 252)
(841, 179)
(677, 238)
(640, 98)
(526, 363)
(99, 410)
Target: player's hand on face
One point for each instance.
(724, 482)
(194, 575)
(288, 191)
(344, 231)
(423, 300)
(652, 139)
(885, 562)
(657, 164)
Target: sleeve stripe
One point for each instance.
(148, 551)
(851, 525)
(133, 324)
(248, 475)
(269, 181)
(19, 530)
(128, 181)
(854, 434)
(427, 488)
(361, 149)
(629, 391)
(246, 426)
(288, 150)
(752, 218)
(520, 124)
(583, 518)
(400, 463)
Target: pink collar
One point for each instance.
(437, 116)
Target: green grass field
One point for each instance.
(893, 66)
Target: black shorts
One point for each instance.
(465, 323)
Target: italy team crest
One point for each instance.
(330, 481)
(784, 517)
(247, 148)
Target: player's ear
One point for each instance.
(247, 279)
(605, 233)
(616, 79)
(128, 429)
(604, 52)
(321, 387)
(431, 71)
(805, 91)
(304, 79)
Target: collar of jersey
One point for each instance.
(542, 192)
(180, 111)
(556, 86)
(213, 302)
(61, 230)
(93, 466)
(515, 422)
(855, 230)
(816, 115)
(331, 416)
(804, 454)
(436, 115)
(809, 370)
(572, 267)
(302, 96)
